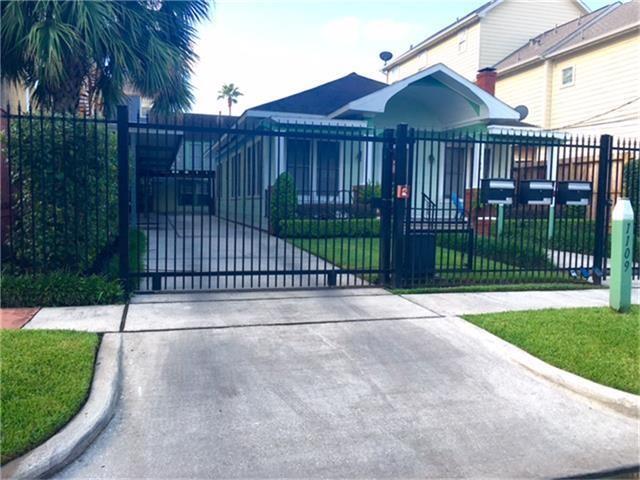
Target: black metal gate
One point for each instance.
(260, 205)
(274, 203)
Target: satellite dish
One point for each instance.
(386, 56)
(523, 111)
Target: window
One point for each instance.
(462, 41)
(487, 167)
(568, 76)
(235, 176)
(299, 163)
(253, 170)
(328, 168)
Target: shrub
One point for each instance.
(283, 201)
(64, 193)
(366, 193)
(58, 289)
(308, 228)
(330, 211)
(527, 254)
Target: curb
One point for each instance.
(66, 445)
(621, 402)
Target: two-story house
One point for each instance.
(582, 76)
(484, 36)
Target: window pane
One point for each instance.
(328, 168)
(567, 76)
(298, 164)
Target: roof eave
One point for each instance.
(431, 40)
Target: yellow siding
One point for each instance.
(524, 88)
(606, 76)
(514, 22)
(463, 62)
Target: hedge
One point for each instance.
(309, 228)
(58, 289)
(64, 193)
(503, 249)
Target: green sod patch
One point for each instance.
(595, 343)
(45, 380)
(507, 287)
(451, 264)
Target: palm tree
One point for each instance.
(231, 93)
(65, 49)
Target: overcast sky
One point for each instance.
(273, 48)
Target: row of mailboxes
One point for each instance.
(501, 191)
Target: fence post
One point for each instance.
(602, 203)
(399, 204)
(123, 194)
(386, 193)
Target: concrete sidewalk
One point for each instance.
(176, 311)
(335, 390)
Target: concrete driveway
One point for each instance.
(368, 395)
(205, 243)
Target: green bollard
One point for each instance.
(621, 255)
(500, 220)
(552, 222)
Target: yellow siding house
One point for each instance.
(484, 36)
(580, 77)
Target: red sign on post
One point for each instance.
(402, 191)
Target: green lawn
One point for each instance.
(45, 380)
(364, 254)
(595, 343)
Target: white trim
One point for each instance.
(376, 101)
(534, 131)
(571, 67)
(322, 121)
(269, 114)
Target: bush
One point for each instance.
(329, 211)
(366, 193)
(502, 249)
(64, 194)
(309, 228)
(58, 289)
(283, 201)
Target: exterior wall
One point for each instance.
(513, 23)
(464, 62)
(525, 88)
(606, 77)
(501, 31)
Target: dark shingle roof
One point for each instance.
(578, 30)
(326, 98)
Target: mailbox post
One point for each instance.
(621, 255)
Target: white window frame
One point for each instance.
(462, 41)
(573, 76)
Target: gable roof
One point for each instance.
(453, 27)
(581, 30)
(325, 98)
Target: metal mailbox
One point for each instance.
(536, 192)
(497, 191)
(574, 193)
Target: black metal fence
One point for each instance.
(266, 204)
(59, 193)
